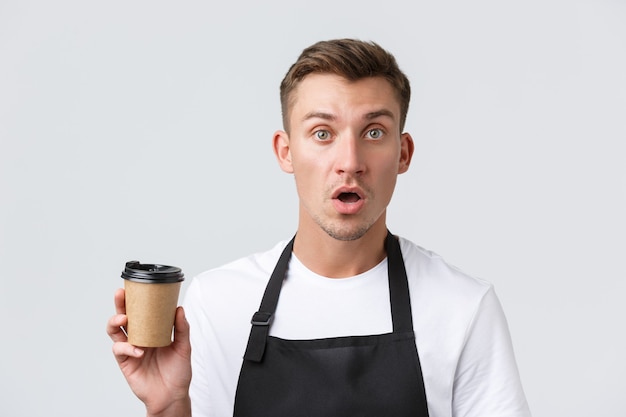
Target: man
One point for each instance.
(347, 319)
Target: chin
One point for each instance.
(347, 234)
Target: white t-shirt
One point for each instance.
(462, 336)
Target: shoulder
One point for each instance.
(442, 293)
(461, 332)
(248, 267)
(432, 270)
(246, 276)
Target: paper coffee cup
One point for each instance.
(151, 299)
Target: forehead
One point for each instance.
(336, 94)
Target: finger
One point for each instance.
(114, 328)
(120, 301)
(122, 351)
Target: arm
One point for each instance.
(487, 381)
(159, 377)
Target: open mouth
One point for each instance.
(348, 197)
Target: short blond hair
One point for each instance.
(349, 58)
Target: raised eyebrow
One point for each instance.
(375, 114)
(319, 115)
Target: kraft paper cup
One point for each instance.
(151, 299)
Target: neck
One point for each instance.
(335, 258)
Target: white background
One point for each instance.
(141, 130)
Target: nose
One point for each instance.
(349, 155)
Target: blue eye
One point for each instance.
(375, 134)
(322, 134)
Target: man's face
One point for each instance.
(345, 151)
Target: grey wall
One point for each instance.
(141, 130)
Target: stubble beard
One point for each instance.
(344, 229)
(345, 234)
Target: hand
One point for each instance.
(159, 377)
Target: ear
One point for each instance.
(282, 151)
(406, 152)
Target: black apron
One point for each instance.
(352, 376)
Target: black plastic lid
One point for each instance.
(152, 273)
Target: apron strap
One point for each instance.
(262, 319)
(398, 286)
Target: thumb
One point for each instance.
(181, 332)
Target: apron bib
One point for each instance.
(352, 376)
